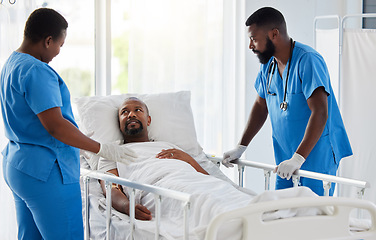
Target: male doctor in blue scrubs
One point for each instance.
(294, 89)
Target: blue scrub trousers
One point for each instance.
(47, 210)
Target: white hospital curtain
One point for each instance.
(327, 44)
(179, 45)
(12, 22)
(358, 107)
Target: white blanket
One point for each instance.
(210, 195)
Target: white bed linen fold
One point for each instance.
(210, 195)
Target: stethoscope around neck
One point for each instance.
(283, 105)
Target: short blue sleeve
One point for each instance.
(313, 74)
(259, 83)
(42, 90)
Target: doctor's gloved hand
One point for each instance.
(286, 168)
(233, 155)
(117, 153)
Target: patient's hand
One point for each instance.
(174, 153)
(181, 155)
(141, 212)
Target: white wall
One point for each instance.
(299, 16)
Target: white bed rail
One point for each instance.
(157, 191)
(268, 169)
(332, 225)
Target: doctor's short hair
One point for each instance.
(44, 22)
(267, 17)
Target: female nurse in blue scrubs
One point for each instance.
(294, 89)
(41, 159)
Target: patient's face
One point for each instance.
(133, 118)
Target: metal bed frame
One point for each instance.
(157, 191)
(268, 169)
(185, 198)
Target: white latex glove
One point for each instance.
(286, 168)
(233, 155)
(117, 153)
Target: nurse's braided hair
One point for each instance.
(44, 22)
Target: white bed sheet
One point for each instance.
(210, 196)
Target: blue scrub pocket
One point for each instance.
(297, 107)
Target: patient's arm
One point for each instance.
(121, 203)
(174, 153)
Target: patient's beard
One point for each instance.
(133, 131)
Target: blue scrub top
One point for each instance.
(308, 71)
(29, 87)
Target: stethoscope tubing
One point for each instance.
(283, 105)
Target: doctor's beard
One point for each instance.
(268, 53)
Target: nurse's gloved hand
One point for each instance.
(233, 155)
(286, 168)
(117, 153)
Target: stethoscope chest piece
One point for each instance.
(283, 105)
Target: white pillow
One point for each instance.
(171, 119)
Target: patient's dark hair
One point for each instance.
(44, 22)
(137, 99)
(267, 17)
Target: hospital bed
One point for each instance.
(299, 215)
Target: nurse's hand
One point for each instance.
(286, 168)
(117, 153)
(233, 155)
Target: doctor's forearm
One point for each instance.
(314, 130)
(318, 104)
(256, 120)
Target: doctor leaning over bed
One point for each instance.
(134, 119)
(41, 160)
(294, 88)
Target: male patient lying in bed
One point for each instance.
(163, 164)
(133, 121)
